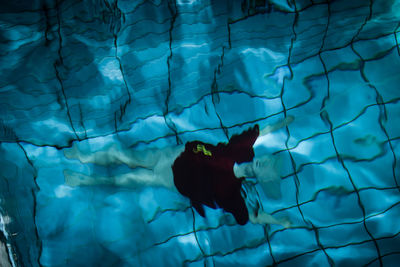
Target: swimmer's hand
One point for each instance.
(266, 170)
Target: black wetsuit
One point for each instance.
(207, 178)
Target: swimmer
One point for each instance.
(206, 174)
(212, 176)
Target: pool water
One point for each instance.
(99, 97)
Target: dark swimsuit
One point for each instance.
(204, 173)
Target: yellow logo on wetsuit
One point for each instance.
(201, 148)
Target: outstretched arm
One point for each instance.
(148, 168)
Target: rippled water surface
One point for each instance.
(97, 99)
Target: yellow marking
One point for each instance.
(201, 148)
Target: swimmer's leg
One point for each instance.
(113, 154)
(150, 167)
(75, 179)
(116, 154)
(133, 180)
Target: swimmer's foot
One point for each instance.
(276, 126)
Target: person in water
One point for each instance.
(206, 174)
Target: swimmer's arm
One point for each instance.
(244, 169)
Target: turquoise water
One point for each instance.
(94, 92)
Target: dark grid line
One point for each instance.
(266, 230)
(380, 56)
(206, 229)
(181, 132)
(395, 37)
(343, 191)
(379, 103)
(33, 191)
(205, 95)
(347, 158)
(384, 255)
(331, 262)
(57, 64)
(170, 124)
(331, 134)
(215, 98)
(315, 196)
(339, 125)
(395, 100)
(340, 246)
(195, 235)
(81, 120)
(382, 114)
(260, 243)
(296, 178)
(115, 28)
(266, 234)
(338, 48)
(325, 118)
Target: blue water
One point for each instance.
(107, 89)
